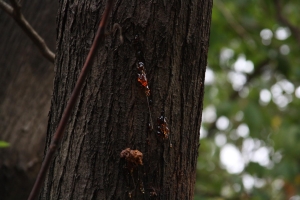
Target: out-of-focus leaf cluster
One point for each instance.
(3, 144)
(252, 101)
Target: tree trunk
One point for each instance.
(26, 80)
(112, 113)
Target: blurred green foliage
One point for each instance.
(3, 144)
(252, 100)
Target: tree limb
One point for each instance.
(15, 13)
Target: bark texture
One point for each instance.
(112, 114)
(26, 81)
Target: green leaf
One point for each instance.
(3, 144)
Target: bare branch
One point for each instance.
(7, 8)
(14, 12)
(67, 112)
(295, 30)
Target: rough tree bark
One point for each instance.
(26, 81)
(112, 114)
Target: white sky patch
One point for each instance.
(282, 33)
(213, 92)
(222, 123)
(297, 197)
(265, 96)
(225, 55)
(261, 156)
(253, 151)
(248, 181)
(284, 49)
(267, 75)
(232, 159)
(209, 77)
(247, 149)
(237, 80)
(239, 116)
(277, 156)
(233, 135)
(297, 92)
(287, 86)
(226, 191)
(259, 182)
(243, 130)
(244, 92)
(281, 93)
(277, 184)
(242, 65)
(220, 139)
(236, 187)
(209, 114)
(276, 90)
(203, 132)
(266, 36)
(266, 42)
(281, 101)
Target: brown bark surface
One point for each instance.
(26, 81)
(112, 114)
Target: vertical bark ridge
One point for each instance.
(112, 112)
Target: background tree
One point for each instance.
(250, 120)
(112, 112)
(26, 81)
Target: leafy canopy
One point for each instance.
(250, 131)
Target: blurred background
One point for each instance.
(26, 82)
(250, 135)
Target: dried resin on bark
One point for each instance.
(133, 157)
(142, 78)
(162, 126)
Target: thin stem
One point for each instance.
(63, 122)
(15, 13)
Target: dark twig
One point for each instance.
(15, 13)
(63, 122)
(295, 30)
